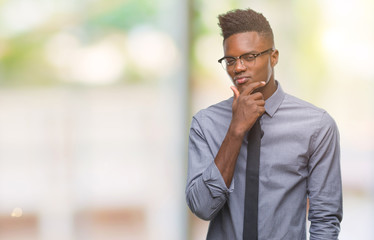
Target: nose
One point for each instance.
(239, 66)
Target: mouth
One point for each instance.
(241, 80)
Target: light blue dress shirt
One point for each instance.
(300, 159)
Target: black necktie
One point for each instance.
(251, 183)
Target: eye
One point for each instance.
(230, 61)
(249, 57)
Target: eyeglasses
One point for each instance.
(228, 62)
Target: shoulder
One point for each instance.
(298, 103)
(306, 113)
(217, 110)
(304, 108)
(215, 117)
(317, 115)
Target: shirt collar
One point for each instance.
(274, 101)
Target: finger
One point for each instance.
(251, 87)
(257, 96)
(261, 111)
(260, 103)
(236, 92)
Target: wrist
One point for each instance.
(236, 131)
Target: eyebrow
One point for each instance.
(251, 52)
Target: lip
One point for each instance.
(241, 80)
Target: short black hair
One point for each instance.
(244, 20)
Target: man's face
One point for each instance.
(260, 69)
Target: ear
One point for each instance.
(274, 57)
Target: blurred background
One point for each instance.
(96, 97)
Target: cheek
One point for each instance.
(269, 69)
(231, 75)
(264, 71)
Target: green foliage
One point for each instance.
(23, 61)
(126, 15)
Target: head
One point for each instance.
(246, 31)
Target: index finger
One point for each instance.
(252, 86)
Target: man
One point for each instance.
(299, 153)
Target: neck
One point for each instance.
(269, 89)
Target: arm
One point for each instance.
(210, 177)
(324, 182)
(246, 108)
(206, 191)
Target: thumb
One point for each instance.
(236, 92)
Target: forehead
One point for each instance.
(240, 43)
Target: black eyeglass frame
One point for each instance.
(251, 57)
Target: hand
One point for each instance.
(246, 108)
